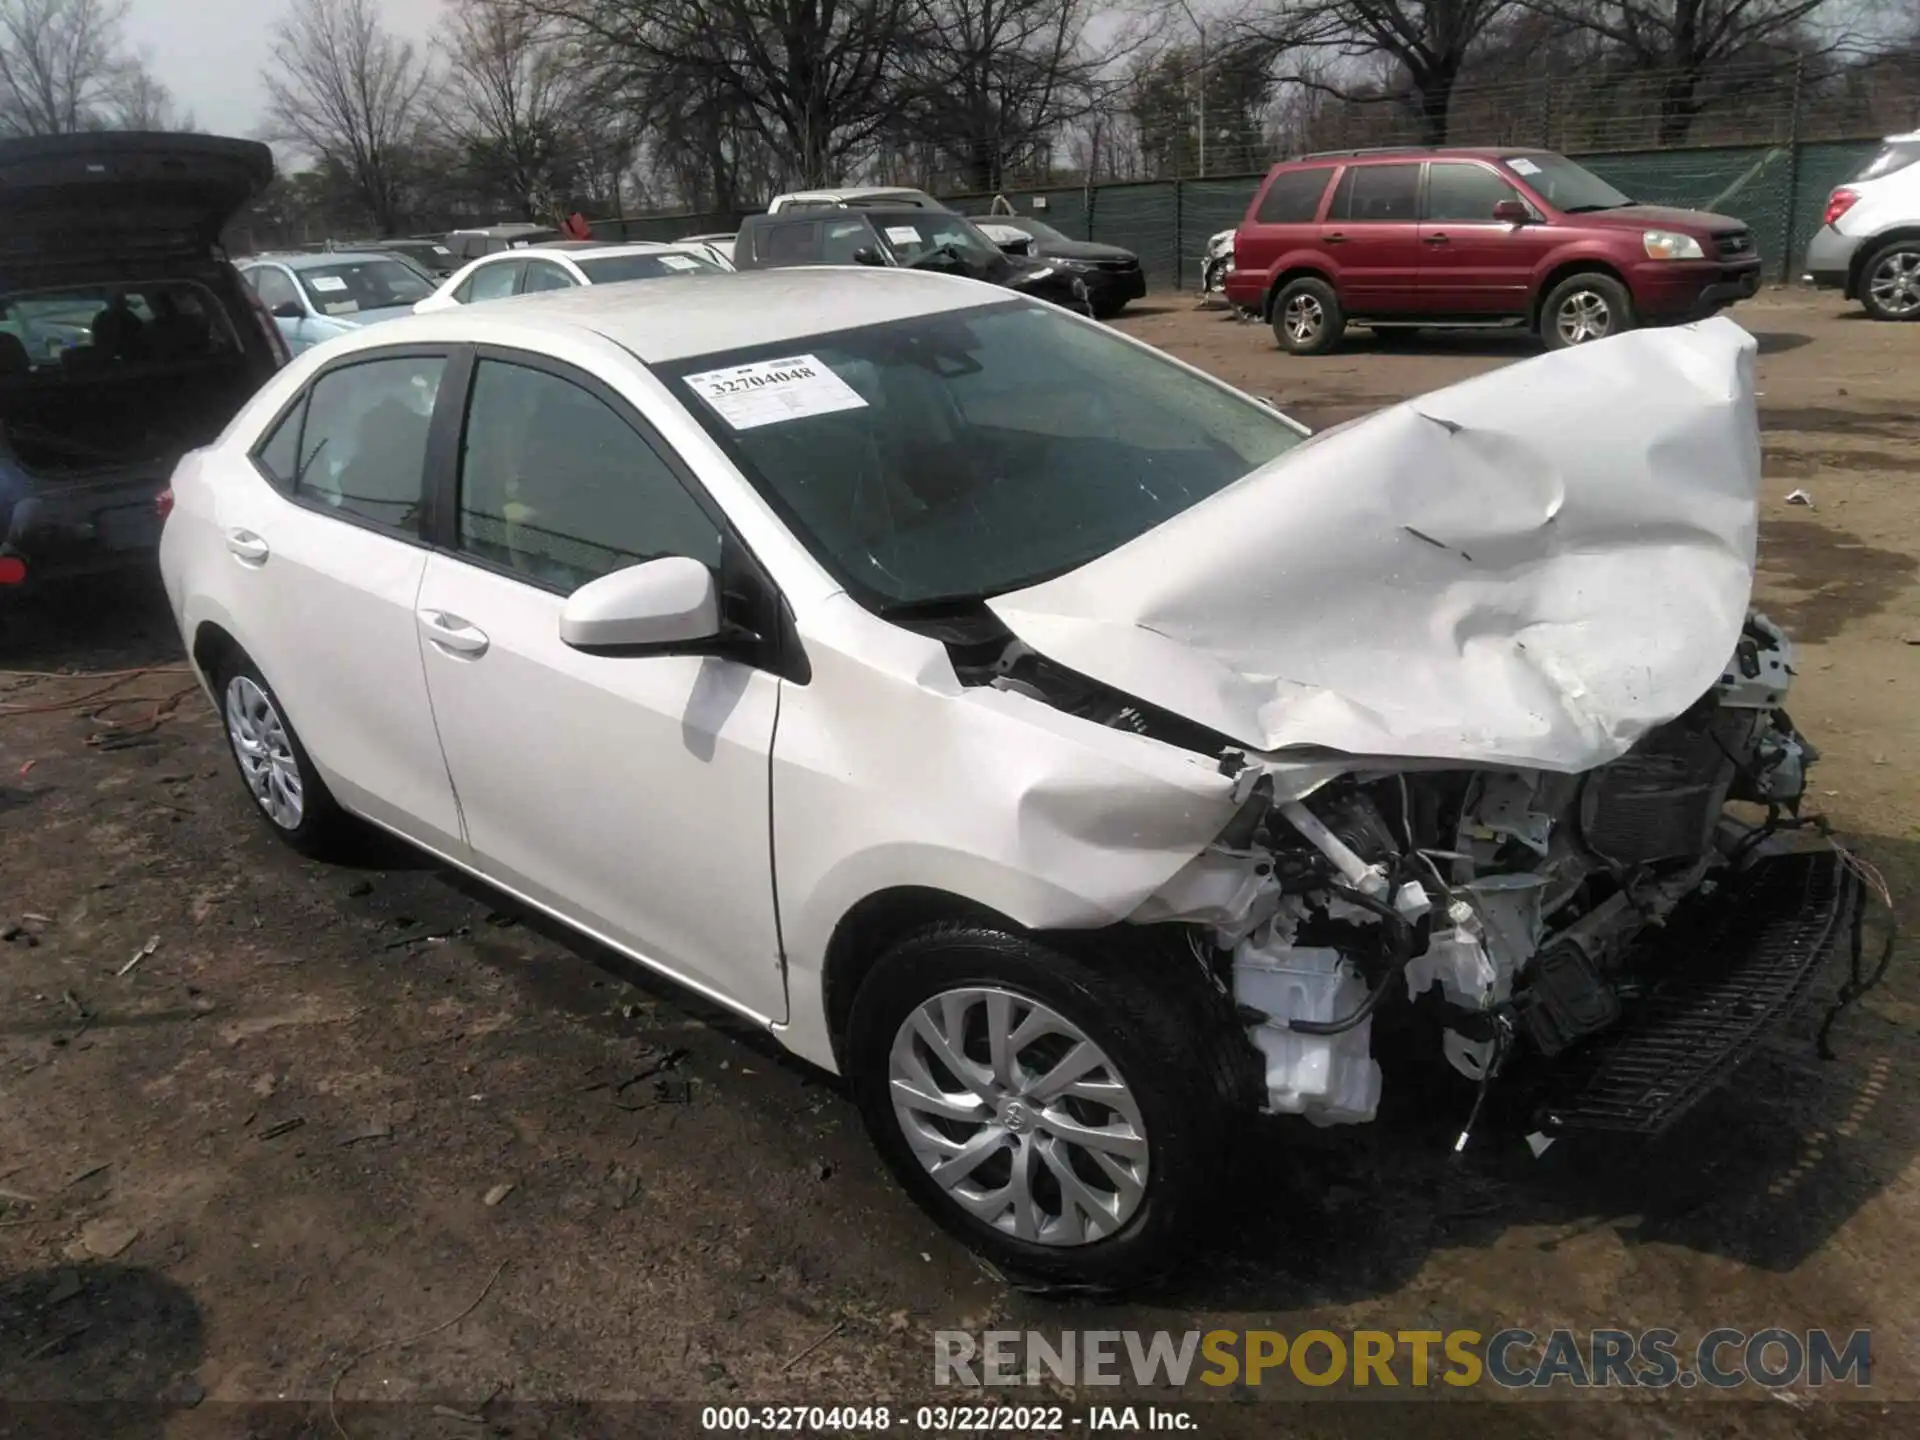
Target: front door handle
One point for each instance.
(1434, 239)
(453, 636)
(1336, 238)
(247, 547)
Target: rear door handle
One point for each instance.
(1434, 239)
(1336, 239)
(247, 547)
(452, 635)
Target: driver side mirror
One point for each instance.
(1512, 212)
(658, 607)
(868, 255)
(288, 310)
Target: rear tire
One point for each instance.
(1094, 1183)
(273, 764)
(1307, 318)
(1583, 308)
(1890, 281)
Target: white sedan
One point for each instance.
(564, 265)
(1020, 722)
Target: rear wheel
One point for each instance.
(272, 762)
(1307, 319)
(1890, 281)
(1051, 1113)
(1584, 308)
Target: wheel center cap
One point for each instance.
(1017, 1117)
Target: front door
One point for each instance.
(1371, 239)
(1475, 265)
(630, 795)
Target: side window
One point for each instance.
(278, 454)
(795, 244)
(1464, 192)
(545, 275)
(842, 238)
(1294, 197)
(363, 450)
(490, 282)
(274, 287)
(555, 485)
(1377, 194)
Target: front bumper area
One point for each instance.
(1725, 973)
(1672, 292)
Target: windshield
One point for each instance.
(79, 328)
(1895, 155)
(957, 456)
(931, 236)
(356, 285)
(610, 269)
(1565, 185)
(1036, 229)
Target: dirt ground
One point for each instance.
(255, 1166)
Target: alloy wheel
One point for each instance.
(1895, 283)
(1584, 315)
(1018, 1116)
(265, 752)
(1303, 318)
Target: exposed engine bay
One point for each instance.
(1507, 902)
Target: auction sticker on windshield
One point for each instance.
(903, 235)
(328, 283)
(769, 391)
(679, 262)
(1523, 165)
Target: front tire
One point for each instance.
(1584, 308)
(1890, 281)
(1307, 318)
(273, 764)
(1052, 1113)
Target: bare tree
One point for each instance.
(140, 102)
(1428, 42)
(1684, 40)
(990, 82)
(513, 101)
(62, 64)
(813, 78)
(351, 93)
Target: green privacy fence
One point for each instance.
(1779, 190)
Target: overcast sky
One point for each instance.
(210, 53)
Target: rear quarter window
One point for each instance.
(1293, 196)
(1892, 158)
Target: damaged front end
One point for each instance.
(1484, 670)
(1522, 910)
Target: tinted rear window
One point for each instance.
(645, 267)
(1294, 196)
(1896, 156)
(1387, 194)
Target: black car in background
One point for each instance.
(1113, 275)
(917, 239)
(126, 337)
(431, 257)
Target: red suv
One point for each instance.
(1475, 237)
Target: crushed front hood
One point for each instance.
(1532, 568)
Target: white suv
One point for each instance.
(1869, 246)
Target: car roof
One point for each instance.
(302, 260)
(497, 230)
(579, 250)
(701, 314)
(853, 192)
(1424, 152)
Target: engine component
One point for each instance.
(1328, 1079)
(1566, 998)
(1363, 821)
(1761, 669)
(1658, 802)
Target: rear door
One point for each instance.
(545, 275)
(1372, 238)
(326, 559)
(1473, 264)
(493, 281)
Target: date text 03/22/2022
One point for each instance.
(947, 1419)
